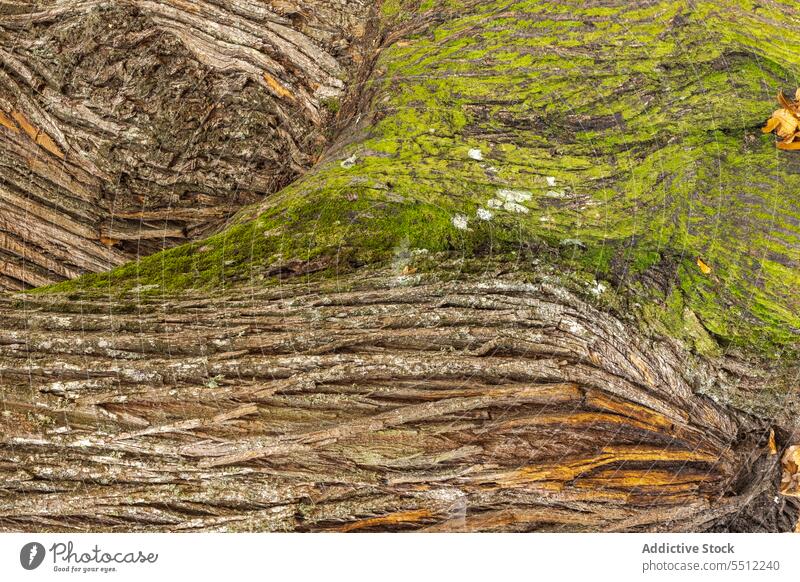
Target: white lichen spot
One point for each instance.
(556, 194)
(551, 181)
(484, 214)
(461, 222)
(598, 289)
(511, 200)
(475, 154)
(349, 162)
(514, 207)
(494, 203)
(514, 195)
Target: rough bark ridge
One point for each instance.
(128, 126)
(479, 404)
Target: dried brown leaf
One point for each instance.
(772, 123)
(785, 103)
(790, 480)
(785, 122)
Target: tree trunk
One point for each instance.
(523, 284)
(481, 404)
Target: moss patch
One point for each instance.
(628, 136)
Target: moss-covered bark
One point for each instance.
(617, 140)
(587, 154)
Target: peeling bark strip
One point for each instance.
(129, 126)
(477, 405)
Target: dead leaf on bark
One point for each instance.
(790, 481)
(704, 267)
(785, 122)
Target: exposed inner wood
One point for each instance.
(129, 126)
(482, 404)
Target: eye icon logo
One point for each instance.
(31, 555)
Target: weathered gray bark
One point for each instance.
(480, 404)
(128, 126)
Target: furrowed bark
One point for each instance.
(476, 405)
(127, 127)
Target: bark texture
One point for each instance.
(129, 126)
(479, 404)
(482, 308)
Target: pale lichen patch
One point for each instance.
(461, 222)
(597, 289)
(510, 200)
(514, 207)
(484, 214)
(514, 195)
(349, 162)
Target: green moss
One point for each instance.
(633, 132)
(332, 104)
(674, 318)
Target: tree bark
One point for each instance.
(127, 127)
(478, 308)
(485, 404)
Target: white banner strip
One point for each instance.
(399, 557)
